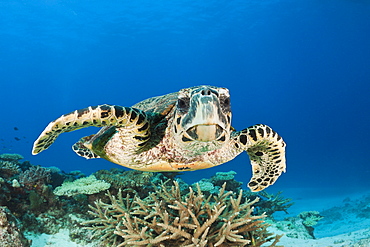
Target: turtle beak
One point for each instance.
(205, 133)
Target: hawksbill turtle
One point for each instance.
(182, 131)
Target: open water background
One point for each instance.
(302, 67)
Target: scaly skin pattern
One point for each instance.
(266, 150)
(184, 131)
(134, 120)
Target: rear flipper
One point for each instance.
(81, 150)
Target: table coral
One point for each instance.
(168, 218)
(226, 177)
(11, 157)
(89, 185)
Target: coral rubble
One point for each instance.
(168, 218)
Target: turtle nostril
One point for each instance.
(206, 92)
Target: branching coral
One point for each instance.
(167, 218)
(272, 203)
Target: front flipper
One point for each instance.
(266, 150)
(99, 116)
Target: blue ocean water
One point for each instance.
(302, 67)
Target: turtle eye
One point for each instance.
(225, 103)
(183, 104)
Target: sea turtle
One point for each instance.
(182, 131)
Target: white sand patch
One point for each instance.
(344, 231)
(317, 199)
(343, 240)
(56, 240)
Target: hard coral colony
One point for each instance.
(168, 218)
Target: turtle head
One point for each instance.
(202, 118)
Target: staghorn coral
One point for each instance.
(167, 218)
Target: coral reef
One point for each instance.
(26, 196)
(10, 230)
(147, 211)
(168, 218)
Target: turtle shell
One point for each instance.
(158, 105)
